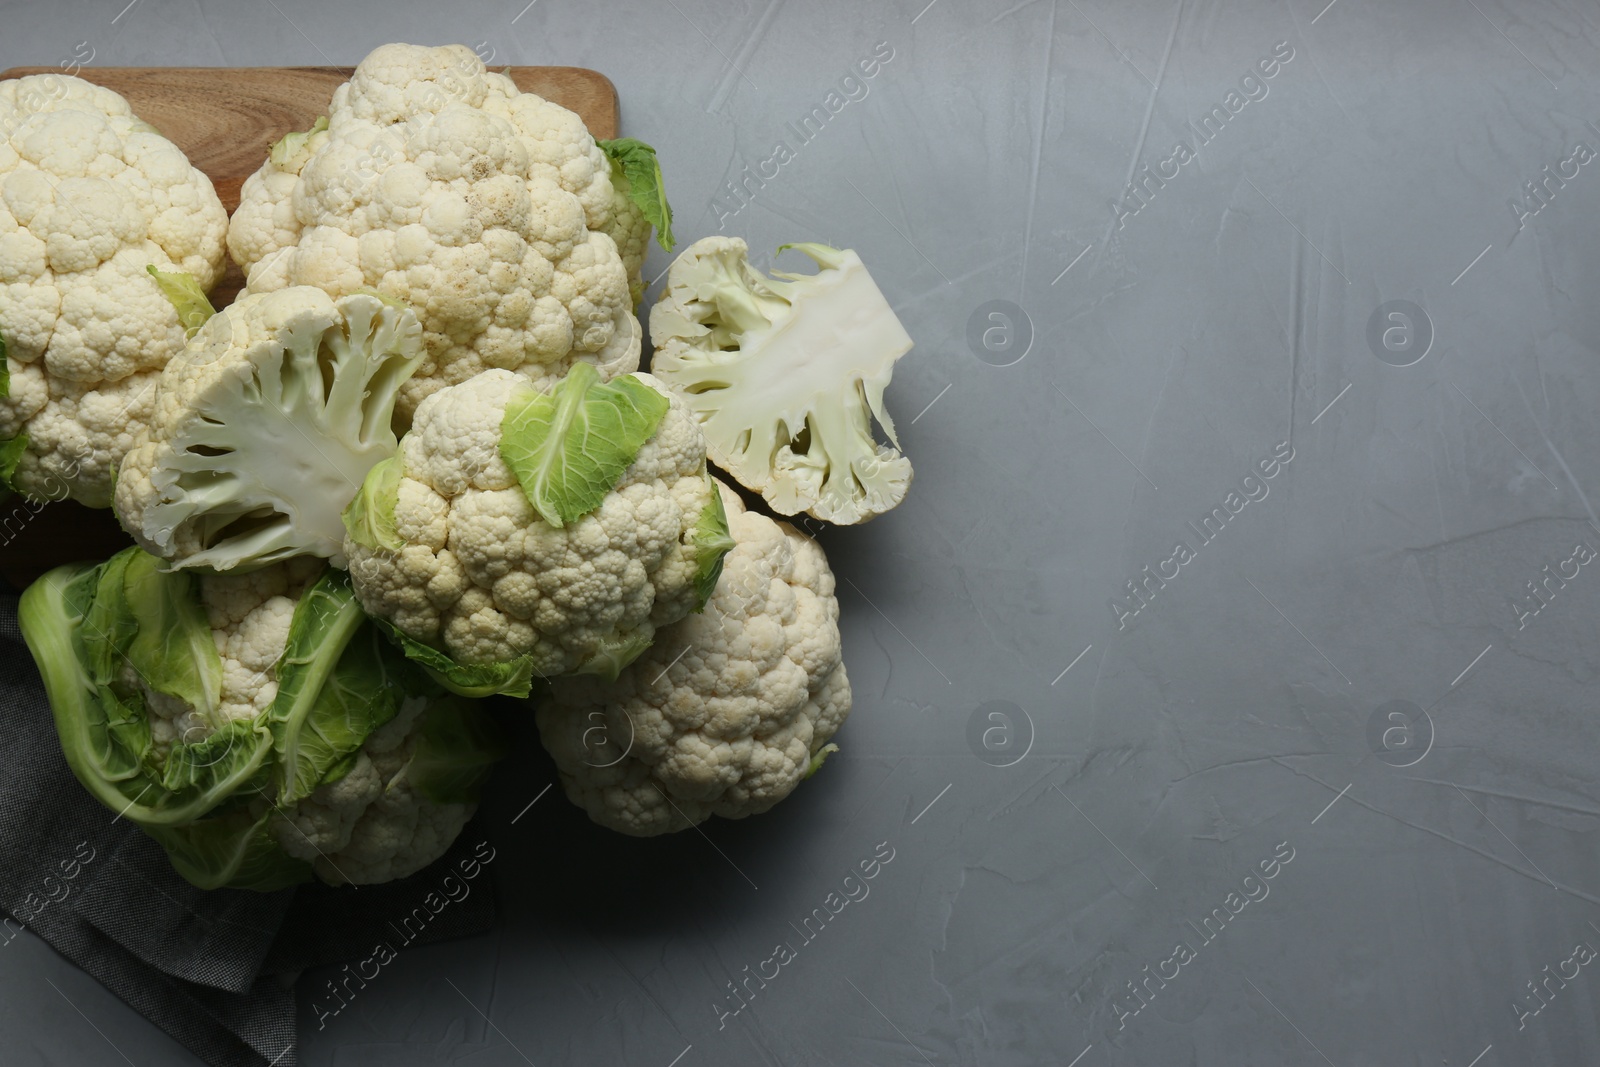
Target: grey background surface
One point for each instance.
(1168, 356)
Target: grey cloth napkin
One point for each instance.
(216, 970)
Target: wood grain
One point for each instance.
(225, 119)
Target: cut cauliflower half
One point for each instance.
(90, 197)
(256, 725)
(524, 533)
(786, 376)
(264, 428)
(492, 211)
(728, 711)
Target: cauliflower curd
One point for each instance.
(728, 711)
(475, 569)
(490, 211)
(90, 196)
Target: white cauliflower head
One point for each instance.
(728, 711)
(399, 81)
(553, 531)
(90, 197)
(492, 211)
(255, 724)
(381, 819)
(265, 426)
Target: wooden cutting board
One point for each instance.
(225, 119)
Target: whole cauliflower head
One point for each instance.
(257, 725)
(372, 824)
(485, 561)
(728, 711)
(490, 210)
(90, 197)
(398, 81)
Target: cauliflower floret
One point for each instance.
(725, 714)
(483, 576)
(398, 835)
(250, 617)
(90, 197)
(374, 824)
(264, 221)
(631, 230)
(79, 434)
(323, 822)
(491, 211)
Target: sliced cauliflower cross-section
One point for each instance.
(265, 427)
(728, 711)
(786, 376)
(522, 533)
(90, 197)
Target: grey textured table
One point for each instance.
(1319, 785)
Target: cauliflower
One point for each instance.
(786, 376)
(728, 711)
(90, 196)
(264, 428)
(618, 182)
(491, 211)
(256, 725)
(523, 533)
(386, 818)
(247, 620)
